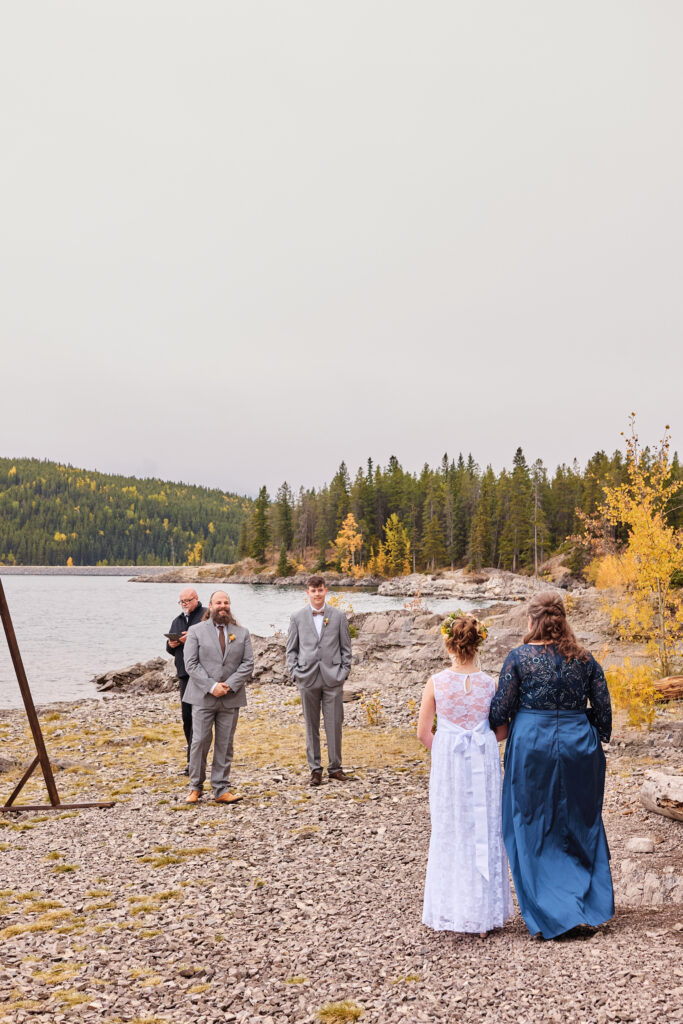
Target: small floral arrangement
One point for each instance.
(231, 637)
(447, 625)
(326, 621)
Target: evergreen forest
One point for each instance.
(385, 520)
(389, 521)
(52, 514)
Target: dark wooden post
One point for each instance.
(41, 750)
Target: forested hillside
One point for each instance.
(391, 521)
(51, 513)
(456, 514)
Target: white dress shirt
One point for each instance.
(318, 620)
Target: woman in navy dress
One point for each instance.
(555, 774)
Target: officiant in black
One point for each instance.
(192, 611)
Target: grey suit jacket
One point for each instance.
(330, 655)
(207, 665)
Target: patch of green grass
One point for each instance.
(295, 980)
(196, 989)
(53, 855)
(63, 869)
(407, 979)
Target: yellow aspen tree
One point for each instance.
(650, 609)
(347, 543)
(194, 555)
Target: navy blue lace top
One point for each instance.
(535, 676)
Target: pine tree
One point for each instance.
(433, 549)
(516, 541)
(284, 501)
(283, 564)
(260, 527)
(482, 537)
(396, 547)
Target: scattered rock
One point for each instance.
(158, 674)
(640, 844)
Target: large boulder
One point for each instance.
(157, 675)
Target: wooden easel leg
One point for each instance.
(22, 782)
(41, 757)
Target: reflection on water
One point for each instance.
(71, 628)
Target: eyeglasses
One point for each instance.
(188, 600)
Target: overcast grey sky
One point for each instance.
(242, 241)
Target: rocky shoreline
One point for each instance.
(274, 910)
(488, 585)
(395, 650)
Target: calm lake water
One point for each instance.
(72, 628)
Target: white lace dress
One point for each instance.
(467, 888)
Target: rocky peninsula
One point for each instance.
(488, 585)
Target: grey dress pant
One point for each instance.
(205, 721)
(314, 696)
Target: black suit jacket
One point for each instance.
(179, 625)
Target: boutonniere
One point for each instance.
(231, 637)
(326, 621)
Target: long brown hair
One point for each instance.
(549, 625)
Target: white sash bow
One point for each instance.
(474, 741)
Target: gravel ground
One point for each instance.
(296, 899)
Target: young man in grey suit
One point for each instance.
(219, 659)
(319, 660)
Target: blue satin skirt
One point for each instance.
(552, 821)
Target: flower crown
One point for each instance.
(447, 625)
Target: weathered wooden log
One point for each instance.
(670, 688)
(663, 794)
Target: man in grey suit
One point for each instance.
(319, 660)
(219, 659)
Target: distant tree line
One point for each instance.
(52, 514)
(391, 521)
(385, 520)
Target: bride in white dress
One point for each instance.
(467, 888)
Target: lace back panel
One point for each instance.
(466, 709)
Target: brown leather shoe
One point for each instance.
(193, 796)
(340, 776)
(227, 798)
(316, 777)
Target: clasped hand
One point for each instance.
(221, 689)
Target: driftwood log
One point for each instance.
(670, 688)
(663, 794)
